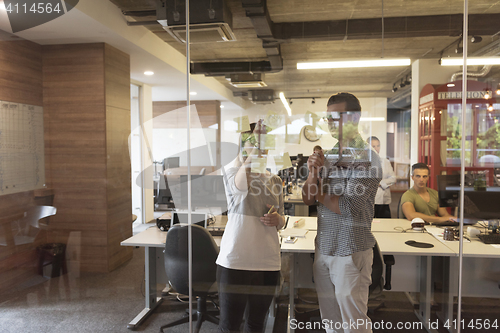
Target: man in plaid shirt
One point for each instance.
(344, 189)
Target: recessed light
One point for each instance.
(193, 93)
(149, 73)
(222, 106)
(450, 85)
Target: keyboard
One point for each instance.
(489, 238)
(216, 233)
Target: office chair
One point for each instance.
(204, 270)
(378, 285)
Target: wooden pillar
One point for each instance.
(86, 100)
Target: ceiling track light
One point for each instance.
(313, 101)
(476, 39)
(291, 102)
(394, 88)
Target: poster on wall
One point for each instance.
(22, 165)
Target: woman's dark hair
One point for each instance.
(371, 138)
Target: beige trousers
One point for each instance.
(342, 284)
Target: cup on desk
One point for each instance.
(449, 234)
(473, 232)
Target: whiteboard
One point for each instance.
(22, 163)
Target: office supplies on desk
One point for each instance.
(216, 232)
(299, 223)
(290, 239)
(489, 238)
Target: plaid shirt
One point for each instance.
(349, 232)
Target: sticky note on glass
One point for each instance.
(311, 118)
(327, 140)
(267, 141)
(258, 164)
(243, 124)
(283, 162)
(272, 120)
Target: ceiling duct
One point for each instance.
(246, 80)
(210, 20)
(257, 11)
(262, 96)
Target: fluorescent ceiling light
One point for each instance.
(193, 93)
(354, 63)
(450, 85)
(285, 103)
(149, 73)
(371, 119)
(470, 61)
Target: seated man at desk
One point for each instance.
(421, 201)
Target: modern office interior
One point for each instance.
(111, 109)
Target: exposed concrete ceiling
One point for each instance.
(303, 36)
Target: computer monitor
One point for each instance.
(206, 191)
(182, 218)
(171, 163)
(482, 205)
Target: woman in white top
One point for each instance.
(383, 196)
(249, 261)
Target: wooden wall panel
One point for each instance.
(208, 113)
(119, 196)
(21, 72)
(20, 82)
(88, 148)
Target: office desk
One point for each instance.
(153, 241)
(390, 242)
(300, 208)
(391, 225)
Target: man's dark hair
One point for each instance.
(419, 166)
(351, 101)
(371, 138)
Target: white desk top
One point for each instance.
(391, 225)
(302, 245)
(153, 237)
(474, 248)
(394, 243)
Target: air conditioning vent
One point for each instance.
(263, 96)
(210, 21)
(255, 80)
(202, 33)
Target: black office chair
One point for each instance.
(204, 270)
(378, 285)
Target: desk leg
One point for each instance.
(291, 291)
(450, 286)
(151, 300)
(424, 311)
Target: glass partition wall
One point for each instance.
(279, 183)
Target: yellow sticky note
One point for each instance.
(267, 141)
(311, 118)
(283, 162)
(258, 164)
(327, 140)
(243, 124)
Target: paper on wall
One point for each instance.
(243, 124)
